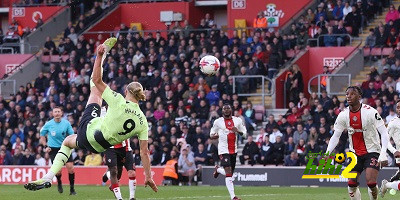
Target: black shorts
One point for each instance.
(369, 160)
(91, 111)
(228, 160)
(119, 157)
(54, 152)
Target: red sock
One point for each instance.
(132, 178)
(114, 186)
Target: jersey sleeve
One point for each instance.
(378, 121)
(111, 97)
(144, 135)
(214, 128)
(44, 130)
(242, 128)
(340, 123)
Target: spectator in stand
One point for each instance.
(80, 158)
(27, 158)
(381, 37)
(278, 150)
(393, 39)
(292, 159)
(299, 134)
(310, 17)
(330, 39)
(302, 39)
(393, 14)
(346, 9)
(312, 147)
(92, 159)
(275, 134)
(353, 19)
(270, 124)
(266, 155)
(370, 41)
(320, 12)
(250, 152)
(186, 163)
(338, 11)
(290, 146)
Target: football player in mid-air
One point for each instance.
(225, 129)
(362, 122)
(124, 119)
(394, 132)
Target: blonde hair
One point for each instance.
(136, 90)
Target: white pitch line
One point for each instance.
(246, 195)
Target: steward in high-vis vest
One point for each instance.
(260, 22)
(171, 171)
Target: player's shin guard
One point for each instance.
(59, 161)
(117, 192)
(132, 187)
(372, 191)
(221, 171)
(354, 191)
(229, 185)
(393, 185)
(71, 181)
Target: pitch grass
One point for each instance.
(11, 192)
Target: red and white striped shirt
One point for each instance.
(227, 141)
(362, 129)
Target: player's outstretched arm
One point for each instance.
(333, 141)
(391, 131)
(97, 77)
(144, 155)
(384, 140)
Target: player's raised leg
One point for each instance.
(353, 188)
(59, 161)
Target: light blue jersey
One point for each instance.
(56, 132)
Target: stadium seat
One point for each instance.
(386, 51)
(45, 59)
(367, 52)
(259, 115)
(376, 52)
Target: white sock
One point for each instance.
(354, 193)
(132, 188)
(49, 176)
(229, 185)
(373, 193)
(221, 171)
(117, 193)
(393, 185)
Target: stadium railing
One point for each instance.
(331, 35)
(330, 80)
(264, 80)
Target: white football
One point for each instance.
(209, 65)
